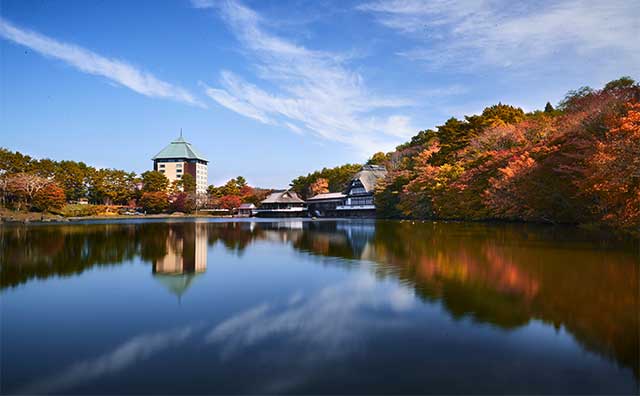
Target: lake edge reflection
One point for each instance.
(506, 276)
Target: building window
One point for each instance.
(361, 201)
(162, 170)
(161, 165)
(178, 165)
(178, 176)
(178, 170)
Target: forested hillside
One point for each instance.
(578, 163)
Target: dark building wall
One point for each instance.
(190, 168)
(363, 214)
(302, 213)
(324, 208)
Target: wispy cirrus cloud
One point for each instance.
(132, 351)
(471, 33)
(89, 62)
(310, 90)
(316, 329)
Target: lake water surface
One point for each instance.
(292, 306)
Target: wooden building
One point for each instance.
(355, 201)
(283, 203)
(324, 205)
(246, 210)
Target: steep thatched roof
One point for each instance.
(369, 176)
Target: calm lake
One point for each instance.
(292, 306)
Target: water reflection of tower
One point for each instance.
(185, 257)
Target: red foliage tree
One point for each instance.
(182, 202)
(49, 197)
(230, 202)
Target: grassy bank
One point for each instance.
(12, 216)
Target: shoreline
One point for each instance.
(35, 218)
(73, 219)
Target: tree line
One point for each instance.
(28, 183)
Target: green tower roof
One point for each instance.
(179, 149)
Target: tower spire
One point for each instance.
(180, 132)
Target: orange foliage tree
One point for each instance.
(49, 197)
(230, 202)
(320, 186)
(613, 175)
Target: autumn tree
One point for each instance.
(256, 195)
(23, 187)
(230, 202)
(51, 196)
(154, 201)
(183, 202)
(613, 175)
(320, 186)
(112, 186)
(378, 158)
(154, 181)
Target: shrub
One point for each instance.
(76, 210)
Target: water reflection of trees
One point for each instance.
(41, 252)
(44, 251)
(505, 275)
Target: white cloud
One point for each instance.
(89, 62)
(503, 33)
(134, 350)
(326, 325)
(236, 104)
(312, 90)
(203, 3)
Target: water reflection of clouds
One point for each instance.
(318, 328)
(136, 349)
(313, 330)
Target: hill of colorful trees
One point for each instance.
(577, 163)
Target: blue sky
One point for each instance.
(274, 89)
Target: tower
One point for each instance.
(180, 158)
